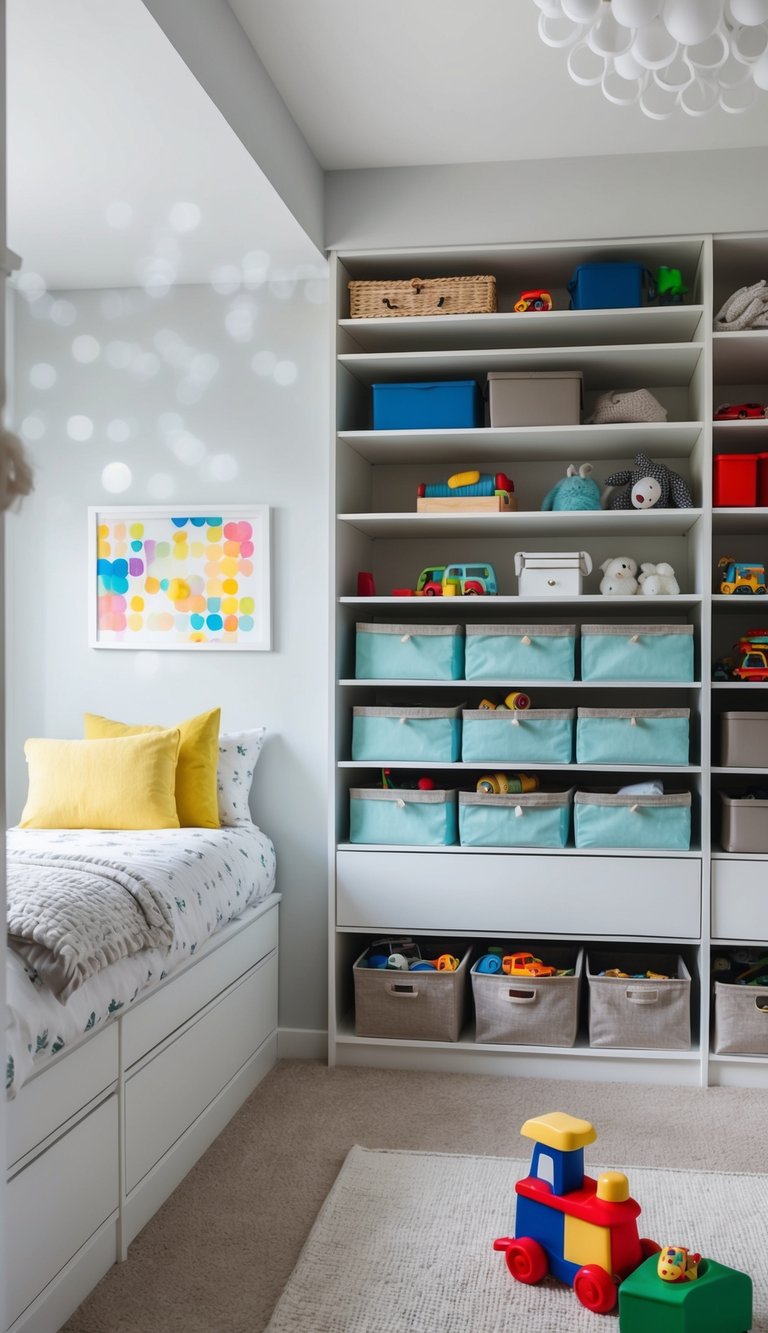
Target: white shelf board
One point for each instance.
(751, 433)
(739, 685)
(530, 684)
(694, 853)
(745, 772)
(484, 604)
(748, 604)
(718, 855)
(631, 366)
(345, 1036)
(740, 357)
(460, 767)
(527, 523)
(659, 439)
(644, 324)
(741, 521)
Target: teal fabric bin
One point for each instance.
(633, 736)
(397, 734)
(637, 652)
(606, 819)
(409, 652)
(525, 819)
(520, 652)
(401, 816)
(501, 736)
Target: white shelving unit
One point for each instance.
(480, 895)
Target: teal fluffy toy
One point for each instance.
(576, 490)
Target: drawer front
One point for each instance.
(164, 1097)
(62, 1087)
(537, 895)
(187, 993)
(53, 1206)
(739, 900)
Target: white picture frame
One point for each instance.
(208, 593)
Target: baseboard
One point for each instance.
(302, 1044)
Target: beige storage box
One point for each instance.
(639, 1013)
(744, 740)
(535, 398)
(745, 824)
(529, 1011)
(741, 1019)
(411, 1006)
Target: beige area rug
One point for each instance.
(403, 1244)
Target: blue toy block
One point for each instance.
(719, 1300)
(547, 1226)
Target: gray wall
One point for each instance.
(272, 431)
(652, 194)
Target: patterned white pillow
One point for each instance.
(238, 752)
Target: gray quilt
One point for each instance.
(69, 916)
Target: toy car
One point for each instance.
(753, 664)
(525, 965)
(736, 411)
(740, 577)
(535, 300)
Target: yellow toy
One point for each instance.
(498, 784)
(676, 1264)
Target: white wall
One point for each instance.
(649, 194)
(262, 426)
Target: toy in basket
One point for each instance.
(473, 295)
(467, 492)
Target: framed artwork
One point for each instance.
(179, 577)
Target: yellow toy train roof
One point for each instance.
(557, 1129)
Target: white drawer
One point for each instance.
(166, 1096)
(190, 990)
(739, 900)
(53, 1208)
(61, 1088)
(537, 895)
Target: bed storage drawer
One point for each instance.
(478, 892)
(188, 992)
(44, 1104)
(165, 1096)
(41, 1238)
(739, 900)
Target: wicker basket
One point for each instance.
(423, 296)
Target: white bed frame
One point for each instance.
(100, 1138)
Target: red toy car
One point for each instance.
(736, 411)
(536, 300)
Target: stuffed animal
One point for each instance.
(649, 486)
(576, 490)
(657, 580)
(619, 577)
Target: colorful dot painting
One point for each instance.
(179, 581)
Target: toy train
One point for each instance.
(471, 483)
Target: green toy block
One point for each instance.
(718, 1301)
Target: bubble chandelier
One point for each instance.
(662, 55)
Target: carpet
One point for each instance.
(403, 1244)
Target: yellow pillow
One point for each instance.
(118, 784)
(196, 798)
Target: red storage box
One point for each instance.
(735, 481)
(762, 479)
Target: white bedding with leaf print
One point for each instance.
(207, 876)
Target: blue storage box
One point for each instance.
(433, 405)
(501, 736)
(637, 652)
(396, 734)
(606, 819)
(409, 652)
(525, 819)
(520, 652)
(607, 286)
(393, 815)
(633, 736)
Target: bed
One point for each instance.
(116, 1087)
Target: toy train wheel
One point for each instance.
(648, 1247)
(526, 1259)
(595, 1289)
(473, 589)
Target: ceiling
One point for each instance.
(123, 171)
(382, 83)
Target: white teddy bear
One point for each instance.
(619, 577)
(658, 580)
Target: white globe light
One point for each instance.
(653, 46)
(760, 73)
(581, 11)
(692, 21)
(609, 38)
(627, 67)
(635, 13)
(750, 12)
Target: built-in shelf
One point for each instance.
(719, 771)
(740, 358)
(598, 685)
(739, 685)
(486, 605)
(747, 434)
(482, 767)
(659, 439)
(741, 522)
(624, 523)
(693, 853)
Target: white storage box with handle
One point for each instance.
(551, 573)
